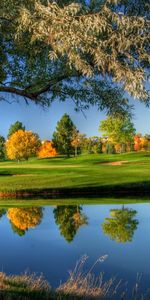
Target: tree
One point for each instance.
(22, 145)
(100, 40)
(23, 219)
(110, 148)
(2, 212)
(69, 219)
(77, 141)
(63, 135)
(144, 143)
(15, 127)
(118, 130)
(47, 150)
(2, 147)
(95, 145)
(121, 225)
(137, 142)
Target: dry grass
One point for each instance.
(80, 285)
(86, 285)
(25, 286)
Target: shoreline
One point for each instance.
(125, 191)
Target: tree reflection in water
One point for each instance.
(22, 219)
(121, 225)
(2, 212)
(69, 219)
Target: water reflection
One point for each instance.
(69, 219)
(21, 219)
(121, 225)
(2, 212)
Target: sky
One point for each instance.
(43, 121)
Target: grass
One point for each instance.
(81, 284)
(84, 172)
(80, 201)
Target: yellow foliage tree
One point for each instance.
(22, 145)
(25, 218)
(47, 150)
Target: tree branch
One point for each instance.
(26, 93)
(11, 90)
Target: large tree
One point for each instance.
(75, 49)
(62, 137)
(118, 130)
(22, 145)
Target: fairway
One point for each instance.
(84, 172)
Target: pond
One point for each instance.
(51, 239)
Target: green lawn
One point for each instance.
(84, 171)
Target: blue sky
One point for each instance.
(43, 121)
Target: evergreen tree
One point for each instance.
(62, 137)
(2, 147)
(15, 127)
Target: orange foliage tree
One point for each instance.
(137, 142)
(25, 218)
(47, 150)
(22, 145)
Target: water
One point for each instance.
(51, 239)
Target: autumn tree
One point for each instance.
(104, 50)
(121, 224)
(46, 150)
(62, 137)
(15, 127)
(23, 219)
(141, 143)
(2, 147)
(137, 142)
(69, 219)
(144, 143)
(22, 145)
(118, 130)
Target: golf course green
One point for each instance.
(94, 175)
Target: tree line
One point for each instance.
(119, 135)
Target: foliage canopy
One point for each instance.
(69, 219)
(22, 145)
(25, 218)
(121, 225)
(46, 150)
(118, 130)
(75, 49)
